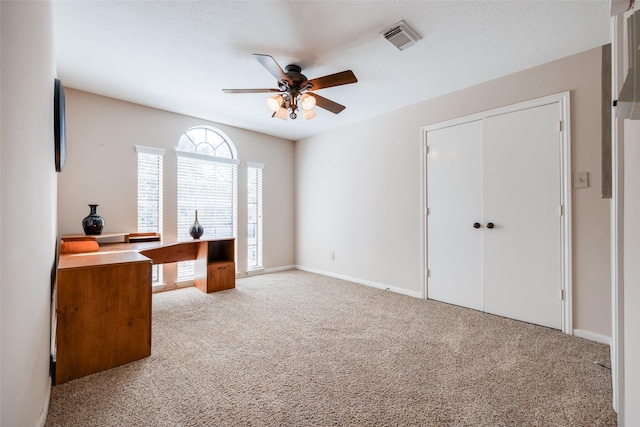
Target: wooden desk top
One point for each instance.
(95, 259)
(158, 252)
(141, 246)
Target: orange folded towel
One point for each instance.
(78, 247)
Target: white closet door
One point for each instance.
(522, 197)
(454, 246)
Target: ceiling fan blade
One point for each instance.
(327, 104)
(272, 66)
(250, 90)
(337, 79)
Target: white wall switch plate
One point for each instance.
(581, 180)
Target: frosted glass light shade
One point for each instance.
(307, 102)
(281, 114)
(308, 114)
(274, 103)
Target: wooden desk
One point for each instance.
(214, 268)
(103, 299)
(103, 309)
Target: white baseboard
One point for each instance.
(264, 271)
(45, 410)
(283, 268)
(362, 282)
(592, 336)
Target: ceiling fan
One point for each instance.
(295, 89)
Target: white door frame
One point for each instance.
(618, 68)
(563, 99)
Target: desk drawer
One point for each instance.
(221, 275)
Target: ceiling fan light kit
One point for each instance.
(281, 114)
(308, 114)
(295, 89)
(307, 102)
(275, 102)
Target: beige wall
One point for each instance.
(27, 211)
(102, 168)
(359, 187)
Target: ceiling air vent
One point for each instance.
(401, 35)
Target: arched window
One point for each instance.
(208, 142)
(207, 183)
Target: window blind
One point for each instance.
(150, 194)
(208, 185)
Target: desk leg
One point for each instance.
(200, 268)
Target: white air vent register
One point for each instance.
(401, 35)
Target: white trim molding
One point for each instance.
(592, 336)
(362, 282)
(259, 271)
(42, 420)
(276, 269)
(150, 150)
(207, 157)
(255, 165)
(618, 69)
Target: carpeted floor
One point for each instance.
(299, 349)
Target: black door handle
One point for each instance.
(476, 225)
(490, 225)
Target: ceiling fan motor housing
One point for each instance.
(294, 72)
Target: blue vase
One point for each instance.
(93, 223)
(196, 229)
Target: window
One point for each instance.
(207, 183)
(254, 216)
(150, 195)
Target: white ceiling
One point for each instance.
(177, 55)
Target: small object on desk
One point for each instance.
(118, 237)
(93, 223)
(142, 237)
(78, 238)
(196, 229)
(78, 246)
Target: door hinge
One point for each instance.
(426, 211)
(562, 294)
(426, 151)
(560, 126)
(561, 210)
(428, 273)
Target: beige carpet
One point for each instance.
(298, 349)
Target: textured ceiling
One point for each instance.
(177, 55)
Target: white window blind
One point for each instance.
(150, 194)
(207, 183)
(254, 216)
